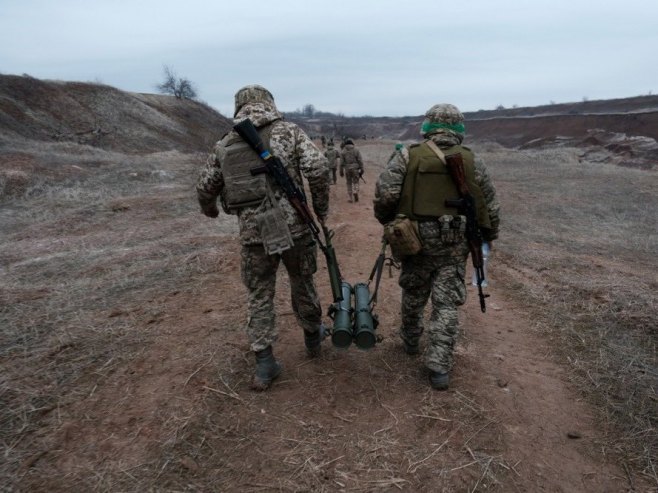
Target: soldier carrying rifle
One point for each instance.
(446, 194)
(274, 227)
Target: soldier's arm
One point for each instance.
(210, 184)
(388, 189)
(313, 166)
(483, 179)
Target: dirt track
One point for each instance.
(179, 413)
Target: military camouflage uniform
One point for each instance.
(438, 270)
(351, 165)
(332, 154)
(301, 158)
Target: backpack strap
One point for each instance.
(430, 143)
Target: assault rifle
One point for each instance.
(277, 171)
(465, 204)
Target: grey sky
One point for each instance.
(375, 57)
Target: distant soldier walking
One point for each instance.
(271, 231)
(351, 166)
(417, 184)
(332, 154)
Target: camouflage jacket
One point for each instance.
(389, 186)
(350, 157)
(332, 156)
(300, 157)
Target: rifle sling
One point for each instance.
(435, 148)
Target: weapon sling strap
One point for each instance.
(376, 272)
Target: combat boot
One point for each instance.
(313, 341)
(267, 369)
(411, 344)
(439, 380)
(356, 197)
(412, 348)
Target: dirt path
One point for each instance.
(180, 415)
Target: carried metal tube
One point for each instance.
(342, 334)
(364, 323)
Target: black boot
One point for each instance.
(411, 347)
(267, 369)
(356, 197)
(313, 341)
(439, 380)
(411, 343)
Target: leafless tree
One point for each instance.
(180, 87)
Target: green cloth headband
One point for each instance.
(428, 127)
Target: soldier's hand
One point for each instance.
(211, 211)
(322, 220)
(360, 173)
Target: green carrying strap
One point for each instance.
(378, 269)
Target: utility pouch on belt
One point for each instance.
(242, 189)
(273, 227)
(274, 232)
(402, 235)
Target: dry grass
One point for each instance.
(91, 261)
(580, 241)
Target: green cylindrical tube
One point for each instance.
(342, 335)
(364, 324)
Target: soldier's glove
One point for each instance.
(360, 173)
(212, 211)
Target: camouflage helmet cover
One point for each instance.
(443, 117)
(444, 113)
(252, 94)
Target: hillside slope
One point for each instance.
(104, 117)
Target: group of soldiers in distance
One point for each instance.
(351, 164)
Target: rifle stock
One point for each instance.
(275, 169)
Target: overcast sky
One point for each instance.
(374, 57)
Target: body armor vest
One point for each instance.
(241, 188)
(428, 184)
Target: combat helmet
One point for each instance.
(252, 94)
(443, 118)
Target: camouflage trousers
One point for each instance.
(258, 272)
(352, 177)
(441, 277)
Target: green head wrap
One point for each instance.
(429, 127)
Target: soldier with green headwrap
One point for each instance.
(438, 270)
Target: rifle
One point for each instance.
(465, 204)
(277, 171)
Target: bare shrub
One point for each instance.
(180, 87)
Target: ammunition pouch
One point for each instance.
(443, 231)
(452, 229)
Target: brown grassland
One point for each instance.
(125, 368)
